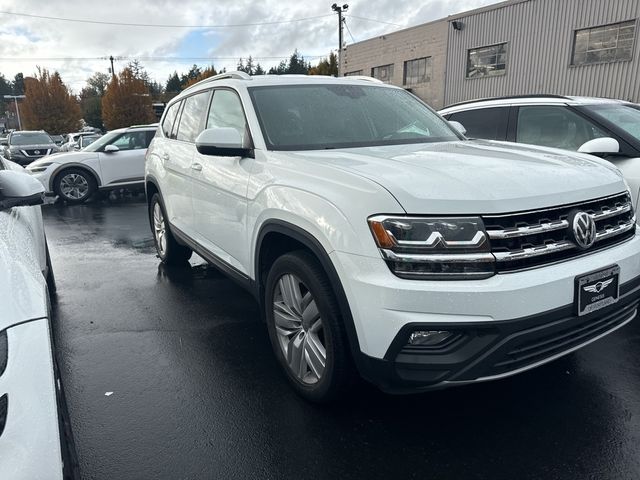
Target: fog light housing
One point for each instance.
(429, 338)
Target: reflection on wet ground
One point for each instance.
(197, 392)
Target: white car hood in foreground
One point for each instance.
(477, 177)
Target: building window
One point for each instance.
(417, 71)
(610, 43)
(383, 73)
(487, 61)
(355, 72)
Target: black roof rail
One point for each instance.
(508, 97)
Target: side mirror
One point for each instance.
(222, 142)
(601, 146)
(19, 189)
(458, 126)
(111, 149)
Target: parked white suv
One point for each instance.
(374, 235)
(115, 160)
(600, 126)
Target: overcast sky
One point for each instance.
(41, 40)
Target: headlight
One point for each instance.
(449, 248)
(39, 168)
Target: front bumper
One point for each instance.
(30, 442)
(505, 324)
(492, 350)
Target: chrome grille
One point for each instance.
(529, 239)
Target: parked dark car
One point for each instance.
(23, 147)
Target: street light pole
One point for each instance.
(15, 99)
(339, 9)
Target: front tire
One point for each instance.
(169, 250)
(305, 328)
(74, 185)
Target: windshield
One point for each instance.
(624, 116)
(35, 138)
(104, 140)
(313, 117)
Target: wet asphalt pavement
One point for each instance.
(197, 393)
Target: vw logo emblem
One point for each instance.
(583, 228)
(37, 152)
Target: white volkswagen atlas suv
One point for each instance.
(377, 239)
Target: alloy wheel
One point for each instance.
(299, 329)
(74, 186)
(159, 229)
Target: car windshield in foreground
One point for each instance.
(624, 116)
(324, 116)
(104, 140)
(35, 138)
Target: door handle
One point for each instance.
(165, 157)
(197, 167)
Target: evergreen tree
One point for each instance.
(173, 83)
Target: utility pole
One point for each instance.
(339, 9)
(15, 99)
(113, 73)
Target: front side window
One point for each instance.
(131, 141)
(555, 126)
(324, 116)
(486, 123)
(191, 120)
(417, 71)
(487, 61)
(226, 111)
(384, 73)
(609, 43)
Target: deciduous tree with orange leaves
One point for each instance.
(126, 102)
(206, 73)
(49, 105)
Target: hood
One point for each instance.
(64, 157)
(477, 176)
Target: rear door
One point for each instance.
(488, 123)
(127, 164)
(178, 161)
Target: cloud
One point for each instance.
(55, 43)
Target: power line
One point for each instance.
(161, 25)
(147, 59)
(348, 30)
(372, 20)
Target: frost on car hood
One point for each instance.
(477, 176)
(22, 286)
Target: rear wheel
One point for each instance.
(74, 185)
(169, 250)
(305, 328)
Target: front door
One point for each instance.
(220, 188)
(126, 165)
